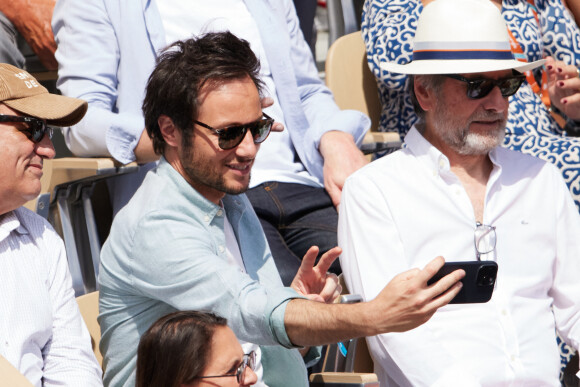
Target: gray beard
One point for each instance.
(461, 140)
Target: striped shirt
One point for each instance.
(41, 330)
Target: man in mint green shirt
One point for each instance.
(189, 238)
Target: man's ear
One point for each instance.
(425, 96)
(169, 131)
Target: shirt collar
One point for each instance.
(232, 204)
(432, 156)
(184, 188)
(9, 222)
(425, 152)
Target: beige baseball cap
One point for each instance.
(22, 92)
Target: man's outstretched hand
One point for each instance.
(408, 301)
(314, 281)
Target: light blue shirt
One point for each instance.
(107, 49)
(166, 252)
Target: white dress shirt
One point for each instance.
(42, 333)
(405, 209)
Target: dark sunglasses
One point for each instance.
(36, 130)
(479, 88)
(249, 360)
(231, 136)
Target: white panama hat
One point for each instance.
(458, 37)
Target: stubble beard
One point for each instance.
(204, 173)
(458, 136)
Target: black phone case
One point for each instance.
(478, 283)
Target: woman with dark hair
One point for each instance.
(190, 349)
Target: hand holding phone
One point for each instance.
(478, 283)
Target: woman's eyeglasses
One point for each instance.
(249, 360)
(231, 136)
(479, 88)
(36, 129)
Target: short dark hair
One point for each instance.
(429, 81)
(184, 68)
(174, 350)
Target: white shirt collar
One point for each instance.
(9, 222)
(427, 153)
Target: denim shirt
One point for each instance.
(166, 251)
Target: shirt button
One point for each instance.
(442, 163)
(220, 213)
(504, 312)
(513, 358)
(206, 218)
(221, 249)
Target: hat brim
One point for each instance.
(459, 66)
(57, 110)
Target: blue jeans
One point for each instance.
(306, 10)
(294, 218)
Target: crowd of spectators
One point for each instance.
(238, 275)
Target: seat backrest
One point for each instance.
(363, 361)
(10, 376)
(352, 355)
(89, 307)
(349, 78)
(74, 198)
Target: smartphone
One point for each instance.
(478, 283)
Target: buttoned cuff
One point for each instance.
(349, 121)
(352, 122)
(123, 136)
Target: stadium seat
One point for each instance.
(89, 307)
(354, 87)
(348, 363)
(67, 199)
(10, 376)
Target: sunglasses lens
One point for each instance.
(509, 86)
(479, 88)
(37, 127)
(261, 130)
(231, 137)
